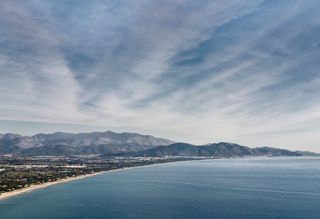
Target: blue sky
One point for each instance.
(244, 71)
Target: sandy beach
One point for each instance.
(45, 185)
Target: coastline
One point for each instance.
(31, 188)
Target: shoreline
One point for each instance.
(31, 188)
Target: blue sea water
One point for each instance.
(244, 188)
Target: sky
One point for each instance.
(243, 71)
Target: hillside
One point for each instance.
(222, 149)
(124, 144)
(82, 143)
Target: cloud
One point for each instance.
(192, 70)
(36, 82)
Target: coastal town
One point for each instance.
(20, 172)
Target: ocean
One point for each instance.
(238, 188)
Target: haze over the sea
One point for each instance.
(244, 71)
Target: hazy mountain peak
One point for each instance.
(10, 136)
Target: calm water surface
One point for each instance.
(275, 188)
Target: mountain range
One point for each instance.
(61, 143)
(125, 144)
(222, 149)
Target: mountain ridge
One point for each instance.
(221, 149)
(10, 143)
(125, 144)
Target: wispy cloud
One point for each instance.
(199, 71)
